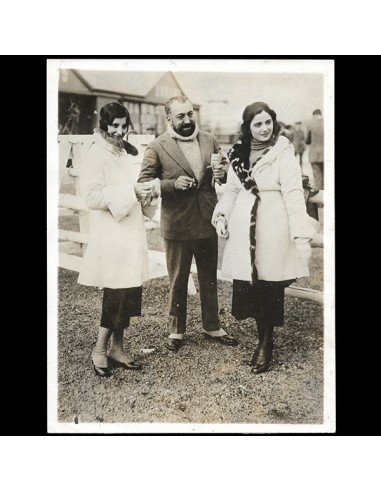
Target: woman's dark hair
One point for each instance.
(111, 111)
(250, 111)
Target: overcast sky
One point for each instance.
(293, 88)
(293, 96)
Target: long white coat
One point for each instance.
(116, 256)
(281, 217)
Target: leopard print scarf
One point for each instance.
(239, 160)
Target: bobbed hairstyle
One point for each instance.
(247, 117)
(109, 112)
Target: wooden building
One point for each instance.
(83, 92)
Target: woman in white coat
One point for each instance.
(116, 256)
(262, 212)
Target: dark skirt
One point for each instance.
(263, 301)
(119, 305)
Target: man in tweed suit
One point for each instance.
(181, 159)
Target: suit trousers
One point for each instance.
(179, 256)
(318, 171)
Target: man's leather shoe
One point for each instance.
(224, 339)
(173, 343)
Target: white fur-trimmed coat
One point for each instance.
(116, 256)
(281, 217)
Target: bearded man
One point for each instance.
(181, 159)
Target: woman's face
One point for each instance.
(262, 127)
(118, 128)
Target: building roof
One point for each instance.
(131, 83)
(138, 85)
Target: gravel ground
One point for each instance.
(204, 382)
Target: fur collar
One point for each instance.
(114, 145)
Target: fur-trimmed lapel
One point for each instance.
(281, 144)
(170, 145)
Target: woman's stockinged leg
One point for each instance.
(116, 351)
(118, 306)
(117, 356)
(100, 350)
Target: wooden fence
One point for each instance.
(72, 244)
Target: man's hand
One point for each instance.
(184, 183)
(143, 190)
(155, 190)
(218, 171)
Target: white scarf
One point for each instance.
(176, 135)
(191, 150)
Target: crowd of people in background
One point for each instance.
(309, 133)
(303, 135)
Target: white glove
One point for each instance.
(143, 191)
(303, 252)
(155, 191)
(221, 229)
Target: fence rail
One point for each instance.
(72, 243)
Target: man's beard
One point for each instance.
(185, 130)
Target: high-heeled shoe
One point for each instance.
(262, 357)
(103, 372)
(133, 366)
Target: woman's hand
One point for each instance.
(221, 229)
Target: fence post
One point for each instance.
(65, 153)
(79, 151)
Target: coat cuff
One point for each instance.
(120, 199)
(168, 188)
(305, 228)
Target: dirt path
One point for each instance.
(202, 383)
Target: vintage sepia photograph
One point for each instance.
(191, 246)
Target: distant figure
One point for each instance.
(284, 132)
(151, 131)
(315, 138)
(299, 141)
(291, 133)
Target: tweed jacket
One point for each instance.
(185, 215)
